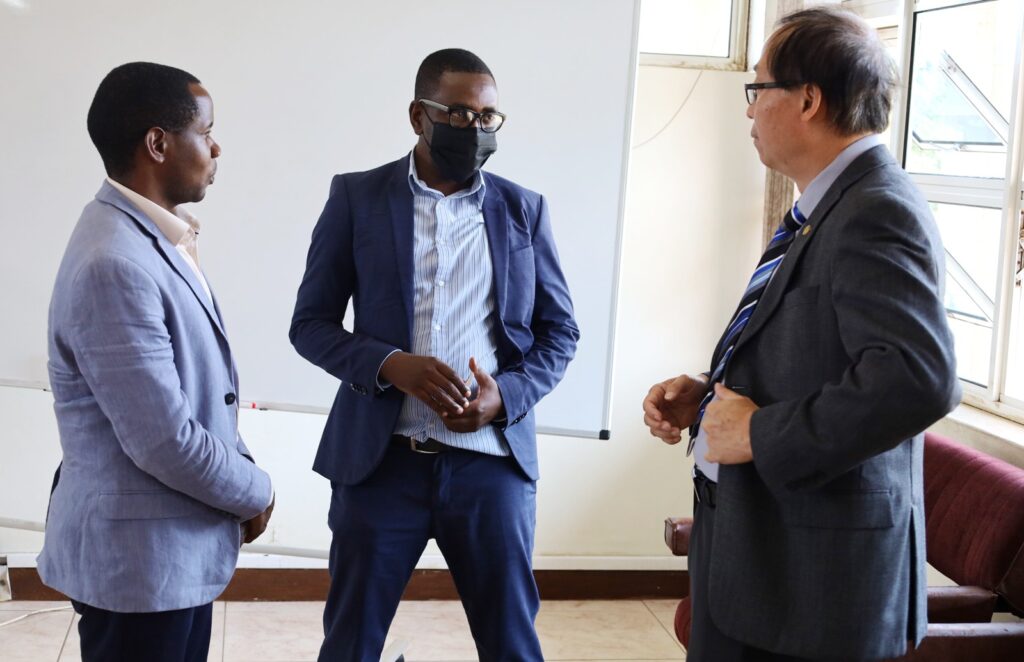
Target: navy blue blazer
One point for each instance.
(362, 249)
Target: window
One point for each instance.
(962, 134)
(707, 34)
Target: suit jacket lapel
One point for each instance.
(112, 196)
(496, 222)
(402, 225)
(875, 157)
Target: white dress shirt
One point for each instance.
(182, 231)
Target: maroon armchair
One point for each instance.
(974, 514)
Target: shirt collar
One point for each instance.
(177, 228)
(816, 190)
(418, 187)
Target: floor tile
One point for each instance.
(434, 629)
(603, 630)
(37, 638)
(272, 631)
(665, 612)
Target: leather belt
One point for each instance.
(428, 447)
(705, 490)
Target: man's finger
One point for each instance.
(426, 398)
(451, 377)
(650, 409)
(725, 393)
(675, 387)
(446, 394)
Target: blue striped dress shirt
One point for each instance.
(453, 302)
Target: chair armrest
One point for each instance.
(960, 604)
(954, 642)
(677, 534)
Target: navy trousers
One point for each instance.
(182, 635)
(482, 512)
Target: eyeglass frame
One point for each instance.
(750, 89)
(476, 117)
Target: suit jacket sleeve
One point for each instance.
(886, 293)
(317, 332)
(554, 330)
(123, 349)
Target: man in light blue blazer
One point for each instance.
(156, 491)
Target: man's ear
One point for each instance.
(416, 117)
(812, 102)
(155, 145)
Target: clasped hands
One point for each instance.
(671, 406)
(434, 383)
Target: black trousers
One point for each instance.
(182, 635)
(707, 642)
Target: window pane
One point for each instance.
(960, 90)
(685, 27)
(1015, 360)
(971, 238)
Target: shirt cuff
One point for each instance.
(383, 384)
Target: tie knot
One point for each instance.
(794, 219)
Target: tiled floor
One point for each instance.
(290, 631)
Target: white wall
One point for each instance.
(691, 237)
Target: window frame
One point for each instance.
(739, 29)
(1005, 194)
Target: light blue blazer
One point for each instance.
(155, 477)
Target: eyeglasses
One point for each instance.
(463, 118)
(752, 88)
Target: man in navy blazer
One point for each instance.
(156, 491)
(463, 322)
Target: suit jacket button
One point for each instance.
(229, 399)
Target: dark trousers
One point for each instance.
(182, 635)
(707, 642)
(482, 512)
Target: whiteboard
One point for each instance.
(302, 91)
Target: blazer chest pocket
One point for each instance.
(869, 509)
(148, 505)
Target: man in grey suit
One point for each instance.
(808, 539)
(156, 491)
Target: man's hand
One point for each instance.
(427, 379)
(727, 424)
(671, 406)
(483, 409)
(253, 528)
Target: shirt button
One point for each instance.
(437, 327)
(440, 283)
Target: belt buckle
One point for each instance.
(413, 447)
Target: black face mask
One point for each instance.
(460, 153)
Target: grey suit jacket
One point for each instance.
(818, 548)
(155, 478)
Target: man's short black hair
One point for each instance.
(840, 53)
(132, 99)
(456, 60)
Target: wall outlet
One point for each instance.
(5, 581)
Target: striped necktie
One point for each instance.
(770, 261)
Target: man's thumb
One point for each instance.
(724, 393)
